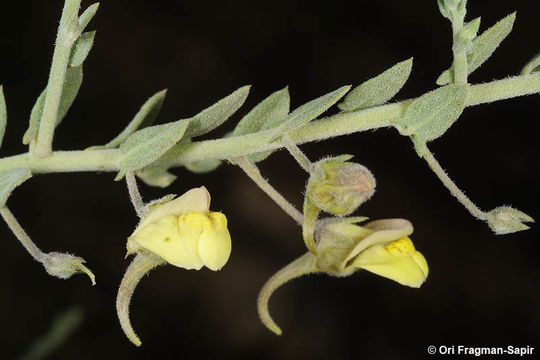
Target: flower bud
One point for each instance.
(506, 220)
(339, 187)
(64, 266)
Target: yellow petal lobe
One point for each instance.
(215, 243)
(398, 261)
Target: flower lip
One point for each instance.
(383, 231)
(194, 200)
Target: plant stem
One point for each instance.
(452, 187)
(233, 147)
(135, 195)
(23, 237)
(254, 174)
(297, 154)
(460, 56)
(65, 38)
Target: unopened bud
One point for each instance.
(506, 220)
(63, 266)
(339, 187)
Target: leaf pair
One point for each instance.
(272, 115)
(483, 47)
(143, 147)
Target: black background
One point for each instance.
(482, 289)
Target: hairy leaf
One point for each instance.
(532, 66)
(309, 111)
(10, 179)
(147, 145)
(430, 115)
(215, 115)
(82, 48)
(203, 167)
(268, 113)
(146, 116)
(87, 16)
(483, 47)
(72, 84)
(378, 90)
(156, 176)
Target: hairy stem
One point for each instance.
(135, 195)
(452, 187)
(233, 147)
(141, 264)
(254, 174)
(460, 56)
(23, 237)
(67, 34)
(297, 154)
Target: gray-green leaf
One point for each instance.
(146, 116)
(147, 145)
(483, 47)
(532, 66)
(268, 113)
(203, 167)
(10, 179)
(87, 15)
(3, 114)
(429, 116)
(35, 115)
(309, 111)
(156, 176)
(82, 48)
(215, 115)
(378, 90)
(72, 84)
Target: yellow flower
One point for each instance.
(182, 232)
(382, 247)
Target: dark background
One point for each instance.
(482, 289)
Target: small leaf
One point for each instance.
(378, 90)
(156, 176)
(10, 179)
(87, 15)
(35, 116)
(268, 113)
(146, 116)
(147, 145)
(429, 116)
(215, 115)
(532, 66)
(203, 167)
(3, 114)
(82, 48)
(72, 84)
(483, 46)
(309, 111)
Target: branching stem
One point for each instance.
(254, 174)
(21, 235)
(452, 187)
(297, 154)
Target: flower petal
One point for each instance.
(194, 200)
(163, 238)
(398, 261)
(215, 243)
